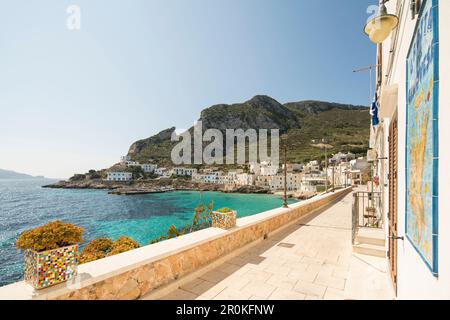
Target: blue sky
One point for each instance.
(75, 100)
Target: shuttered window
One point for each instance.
(393, 196)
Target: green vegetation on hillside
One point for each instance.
(306, 123)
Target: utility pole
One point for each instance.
(332, 168)
(326, 165)
(285, 202)
(346, 178)
(326, 170)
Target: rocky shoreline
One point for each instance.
(153, 186)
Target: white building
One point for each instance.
(184, 171)
(119, 176)
(244, 179)
(231, 178)
(358, 169)
(265, 168)
(233, 175)
(308, 187)
(342, 175)
(162, 171)
(293, 167)
(341, 157)
(149, 168)
(294, 182)
(212, 177)
(312, 166)
(225, 179)
(276, 182)
(132, 163)
(255, 168)
(263, 181)
(314, 178)
(360, 164)
(411, 145)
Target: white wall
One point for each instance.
(415, 281)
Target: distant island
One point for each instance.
(8, 174)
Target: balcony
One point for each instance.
(368, 236)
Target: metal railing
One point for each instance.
(366, 211)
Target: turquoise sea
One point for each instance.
(24, 204)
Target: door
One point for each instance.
(393, 198)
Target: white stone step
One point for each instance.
(370, 236)
(379, 263)
(370, 250)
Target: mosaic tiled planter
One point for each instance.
(224, 220)
(49, 268)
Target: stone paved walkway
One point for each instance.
(311, 260)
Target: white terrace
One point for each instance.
(312, 259)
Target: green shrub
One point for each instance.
(96, 249)
(94, 175)
(104, 247)
(159, 239)
(224, 210)
(173, 232)
(50, 236)
(202, 217)
(123, 244)
(137, 172)
(200, 220)
(78, 177)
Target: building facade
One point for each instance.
(184, 171)
(162, 172)
(119, 176)
(312, 166)
(212, 177)
(149, 168)
(341, 157)
(413, 88)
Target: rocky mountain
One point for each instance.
(261, 112)
(151, 144)
(344, 126)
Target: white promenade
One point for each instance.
(312, 259)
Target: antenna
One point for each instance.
(365, 69)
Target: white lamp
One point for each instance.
(379, 28)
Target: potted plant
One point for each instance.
(224, 218)
(51, 253)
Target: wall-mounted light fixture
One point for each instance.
(380, 27)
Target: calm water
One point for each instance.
(24, 205)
